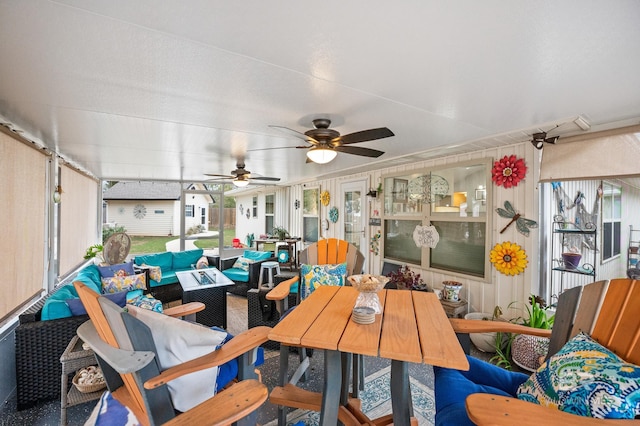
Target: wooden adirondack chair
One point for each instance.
(609, 311)
(324, 252)
(127, 355)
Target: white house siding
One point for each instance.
(153, 223)
(198, 201)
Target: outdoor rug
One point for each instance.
(376, 401)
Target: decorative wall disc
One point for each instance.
(333, 214)
(325, 198)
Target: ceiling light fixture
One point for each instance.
(541, 138)
(321, 154)
(240, 182)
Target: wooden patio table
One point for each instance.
(413, 327)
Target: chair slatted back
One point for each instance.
(90, 300)
(332, 251)
(590, 302)
(618, 324)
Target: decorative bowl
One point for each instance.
(367, 283)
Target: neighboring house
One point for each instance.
(153, 208)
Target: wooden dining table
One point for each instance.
(413, 327)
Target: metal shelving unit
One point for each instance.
(633, 249)
(562, 232)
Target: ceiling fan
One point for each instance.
(541, 138)
(241, 176)
(325, 143)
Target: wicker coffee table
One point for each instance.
(213, 293)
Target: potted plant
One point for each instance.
(280, 232)
(405, 279)
(94, 252)
(485, 342)
(526, 350)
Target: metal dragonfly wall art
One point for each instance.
(522, 224)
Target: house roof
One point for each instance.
(144, 191)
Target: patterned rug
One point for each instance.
(376, 401)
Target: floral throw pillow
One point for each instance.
(146, 301)
(243, 263)
(586, 379)
(314, 276)
(155, 272)
(127, 283)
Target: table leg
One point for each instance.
(331, 388)
(282, 380)
(401, 404)
(346, 376)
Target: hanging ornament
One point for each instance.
(374, 245)
(426, 236)
(509, 258)
(508, 171)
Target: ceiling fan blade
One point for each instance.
(365, 135)
(219, 176)
(279, 147)
(356, 150)
(295, 133)
(274, 179)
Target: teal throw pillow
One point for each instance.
(242, 263)
(586, 379)
(314, 276)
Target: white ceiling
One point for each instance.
(170, 90)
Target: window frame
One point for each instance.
(423, 212)
(269, 213)
(311, 213)
(610, 219)
(189, 210)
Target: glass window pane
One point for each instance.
(310, 229)
(607, 234)
(398, 241)
(269, 224)
(459, 190)
(461, 247)
(310, 202)
(269, 204)
(616, 238)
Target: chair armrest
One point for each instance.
(477, 326)
(488, 409)
(240, 344)
(123, 361)
(184, 309)
(282, 290)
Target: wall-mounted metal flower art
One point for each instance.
(508, 171)
(509, 258)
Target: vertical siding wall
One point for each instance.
(483, 296)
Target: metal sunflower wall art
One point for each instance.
(508, 171)
(509, 258)
(325, 198)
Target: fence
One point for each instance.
(229, 217)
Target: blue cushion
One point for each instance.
(119, 269)
(257, 256)
(453, 386)
(236, 274)
(56, 306)
(163, 260)
(91, 277)
(168, 277)
(184, 259)
(77, 308)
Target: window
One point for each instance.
(269, 209)
(188, 210)
(310, 211)
(255, 207)
(611, 220)
(453, 200)
(158, 211)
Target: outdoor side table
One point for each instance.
(74, 358)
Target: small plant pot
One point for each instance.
(451, 291)
(633, 250)
(485, 342)
(571, 260)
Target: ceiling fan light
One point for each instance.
(321, 155)
(240, 183)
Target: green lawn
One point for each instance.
(157, 244)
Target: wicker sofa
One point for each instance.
(39, 344)
(245, 280)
